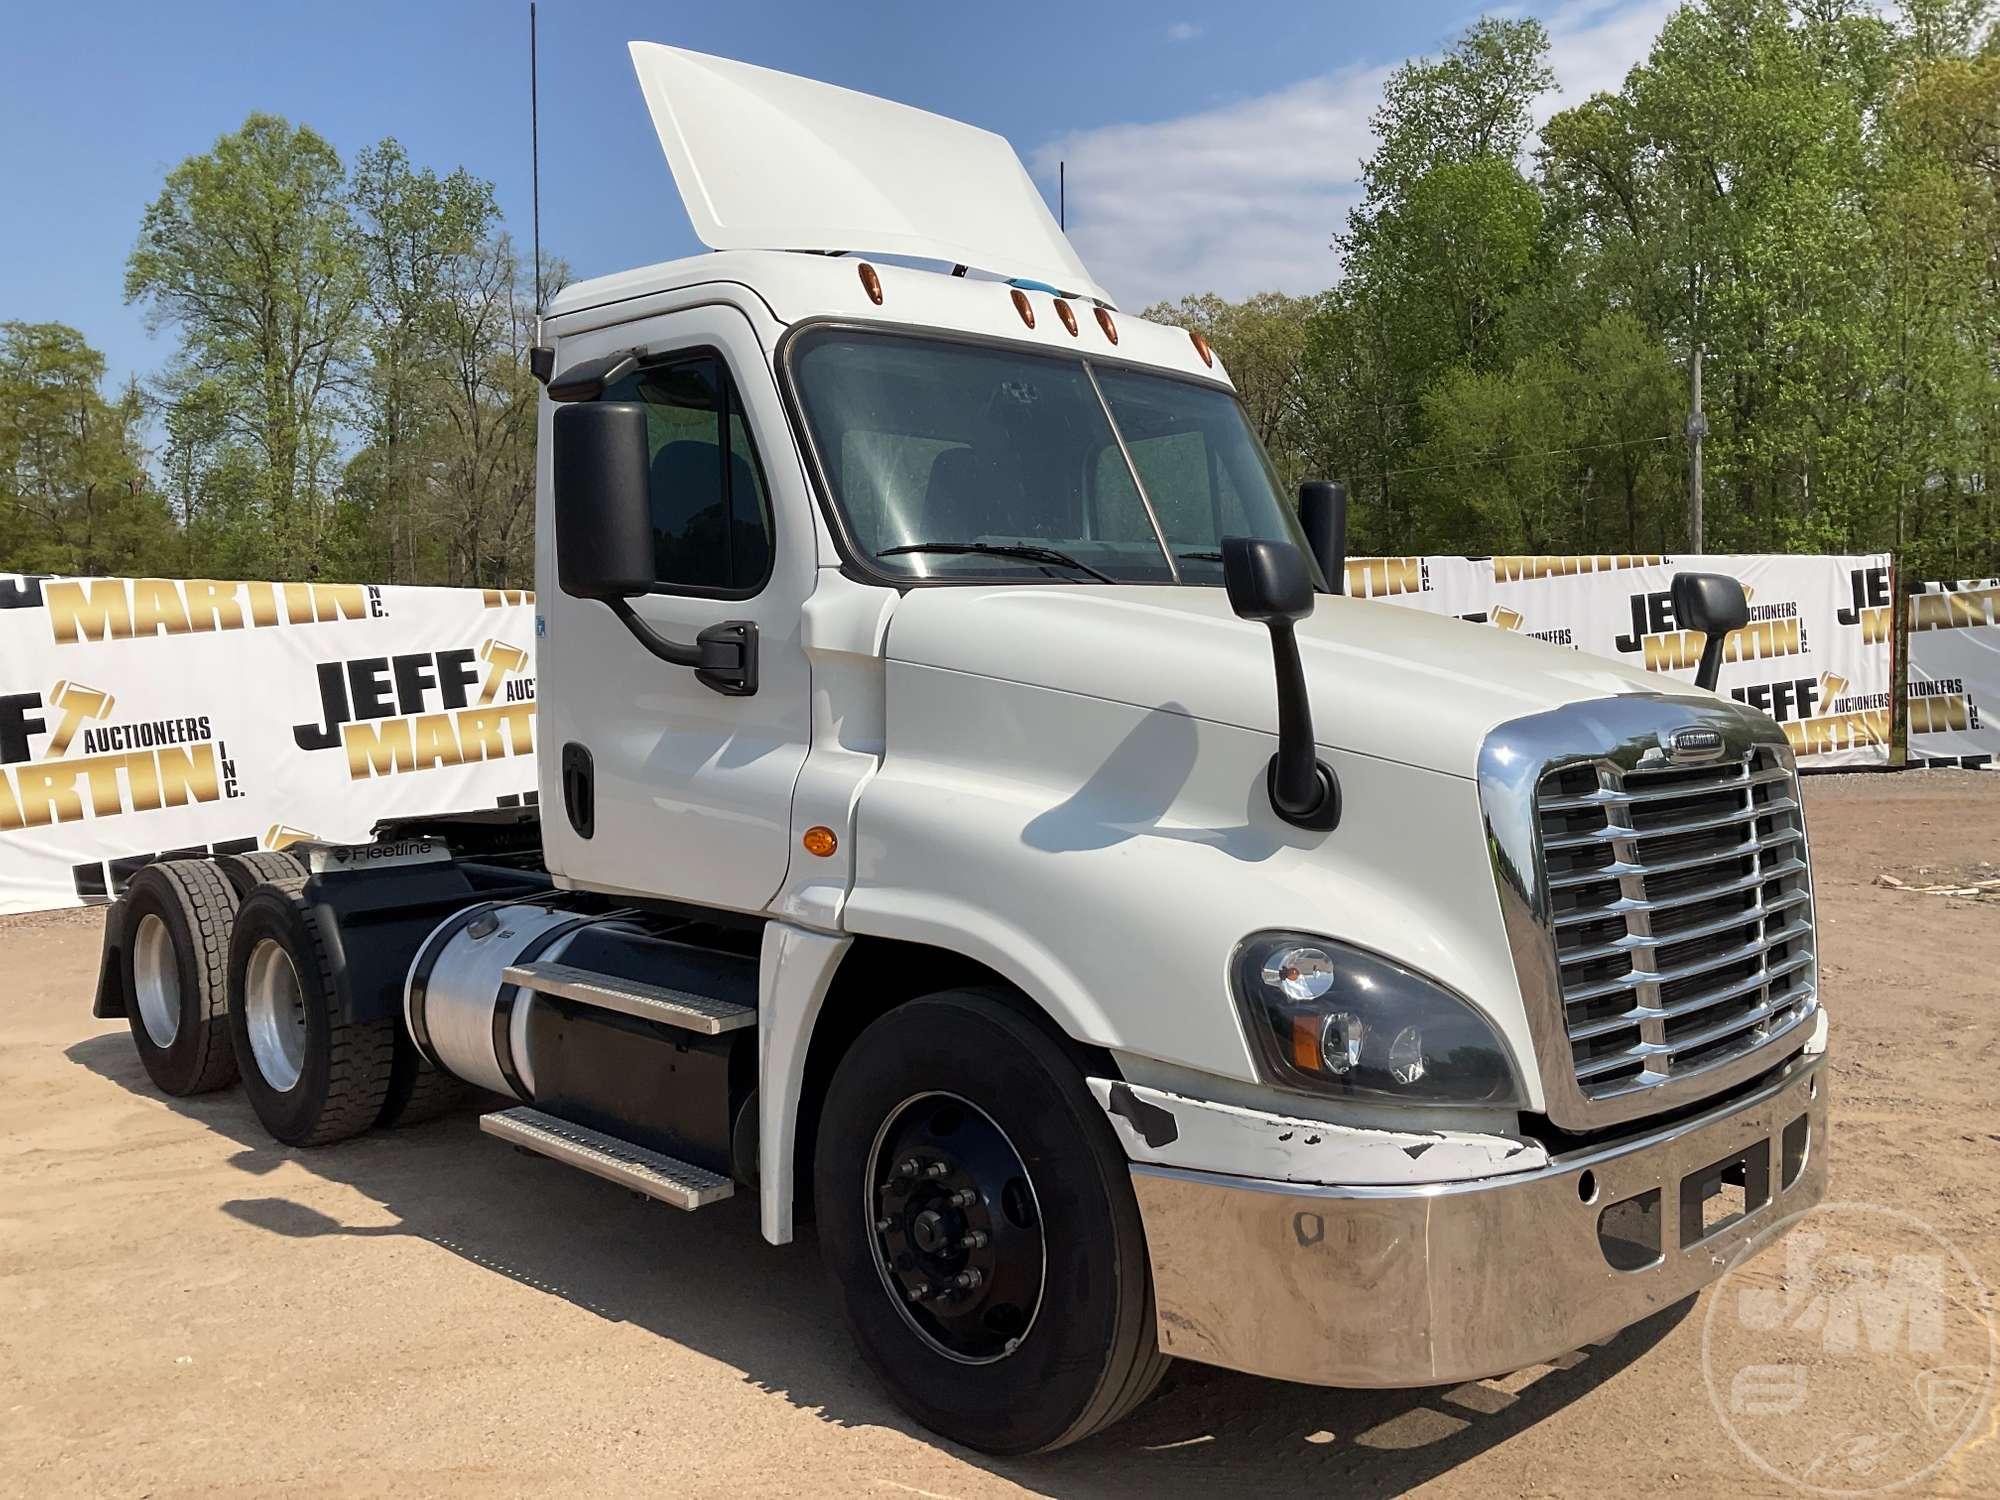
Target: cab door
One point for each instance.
(654, 783)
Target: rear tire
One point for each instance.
(1010, 1152)
(245, 872)
(174, 969)
(312, 1078)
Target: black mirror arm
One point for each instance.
(1709, 672)
(724, 657)
(1303, 789)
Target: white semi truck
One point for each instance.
(973, 819)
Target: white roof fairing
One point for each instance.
(770, 161)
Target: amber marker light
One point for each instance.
(819, 840)
(1201, 348)
(1068, 317)
(871, 283)
(1021, 306)
(1104, 321)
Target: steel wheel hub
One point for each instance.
(274, 1013)
(156, 981)
(957, 1228)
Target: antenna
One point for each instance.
(535, 162)
(1062, 196)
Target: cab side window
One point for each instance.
(711, 515)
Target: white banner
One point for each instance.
(149, 716)
(1954, 703)
(1815, 655)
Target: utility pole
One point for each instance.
(1697, 429)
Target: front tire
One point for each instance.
(977, 1214)
(312, 1077)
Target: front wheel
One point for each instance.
(978, 1216)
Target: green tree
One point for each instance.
(73, 489)
(250, 252)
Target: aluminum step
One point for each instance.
(639, 1168)
(650, 1002)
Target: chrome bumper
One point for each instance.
(1458, 1281)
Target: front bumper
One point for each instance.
(1407, 1286)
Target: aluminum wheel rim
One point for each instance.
(1015, 1227)
(156, 981)
(274, 1013)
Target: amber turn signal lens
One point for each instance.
(819, 840)
(1104, 321)
(871, 283)
(1021, 306)
(1201, 348)
(1068, 317)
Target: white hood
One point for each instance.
(1398, 683)
(770, 161)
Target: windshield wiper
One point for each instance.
(1004, 549)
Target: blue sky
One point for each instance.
(1209, 147)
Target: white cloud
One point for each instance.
(1246, 196)
(1183, 31)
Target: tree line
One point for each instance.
(348, 396)
(1810, 192)
(1806, 190)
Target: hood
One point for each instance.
(1385, 680)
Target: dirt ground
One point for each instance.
(186, 1308)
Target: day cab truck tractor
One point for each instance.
(973, 818)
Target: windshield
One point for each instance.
(952, 459)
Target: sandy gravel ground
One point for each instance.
(187, 1309)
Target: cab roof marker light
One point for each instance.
(1068, 316)
(1110, 328)
(1022, 306)
(871, 283)
(1201, 348)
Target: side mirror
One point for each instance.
(1714, 604)
(603, 514)
(601, 476)
(1323, 514)
(1269, 582)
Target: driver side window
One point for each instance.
(711, 515)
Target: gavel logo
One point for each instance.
(280, 835)
(76, 703)
(500, 659)
(1831, 686)
(1505, 618)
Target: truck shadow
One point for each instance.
(769, 1313)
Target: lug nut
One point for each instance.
(907, 1167)
(964, 1198)
(976, 1240)
(969, 1278)
(920, 1291)
(936, 1169)
(884, 1224)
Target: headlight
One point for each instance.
(1343, 1021)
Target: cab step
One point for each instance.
(684, 1009)
(653, 1173)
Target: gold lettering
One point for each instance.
(520, 721)
(341, 601)
(433, 742)
(481, 736)
(212, 605)
(1936, 715)
(157, 606)
(48, 795)
(10, 806)
(298, 603)
(1674, 650)
(187, 773)
(263, 603)
(377, 748)
(106, 798)
(97, 611)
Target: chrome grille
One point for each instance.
(1681, 913)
